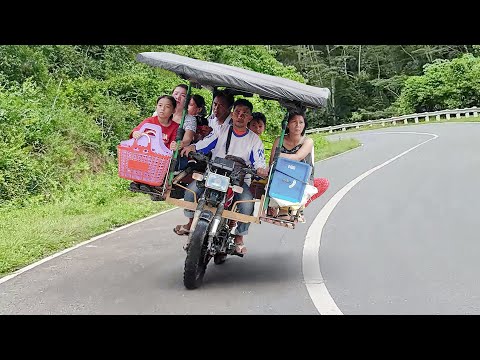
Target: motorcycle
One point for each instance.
(212, 227)
(215, 212)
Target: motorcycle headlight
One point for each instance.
(217, 182)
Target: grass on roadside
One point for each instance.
(325, 149)
(36, 231)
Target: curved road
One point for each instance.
(402, 240)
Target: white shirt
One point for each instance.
(248, 146)
(213, 122)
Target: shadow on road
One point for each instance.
(265, 268)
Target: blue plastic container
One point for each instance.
(289, 180)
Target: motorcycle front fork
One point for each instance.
(224, 240)
(196, 216)
(228, 245)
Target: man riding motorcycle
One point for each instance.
(241, 143)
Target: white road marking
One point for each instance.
(311, 265)
(35, 264)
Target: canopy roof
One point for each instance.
(210, 74)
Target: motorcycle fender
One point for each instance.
(206, 215)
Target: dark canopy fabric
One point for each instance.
(215, 75)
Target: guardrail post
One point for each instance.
(475, 113)
(330, 130)
(427, 118)
(437, 117)
(467, 114)
(394, 122)
(405, 121)
(457, 115)
(344, 128)
(383, 123)
(448, 116)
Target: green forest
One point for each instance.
(378, 81)
(65, 108)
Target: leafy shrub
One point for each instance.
(444, 85)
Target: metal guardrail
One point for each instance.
(414, 118)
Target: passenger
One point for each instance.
(258, 123)
(297, 146)
(197, 109)
(189, 125)
(166, 105)
(165, 109)
(221, 110)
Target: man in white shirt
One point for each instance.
(221, 110)
(244, 144)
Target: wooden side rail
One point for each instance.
(232, 215)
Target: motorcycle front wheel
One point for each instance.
(195, 263)
(219, 259)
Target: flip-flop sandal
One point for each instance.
(180, 230)
(240, 249)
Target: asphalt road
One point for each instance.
(404, 240)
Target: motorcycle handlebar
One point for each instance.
(204, 158)
(252, 172)
(199, 156)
